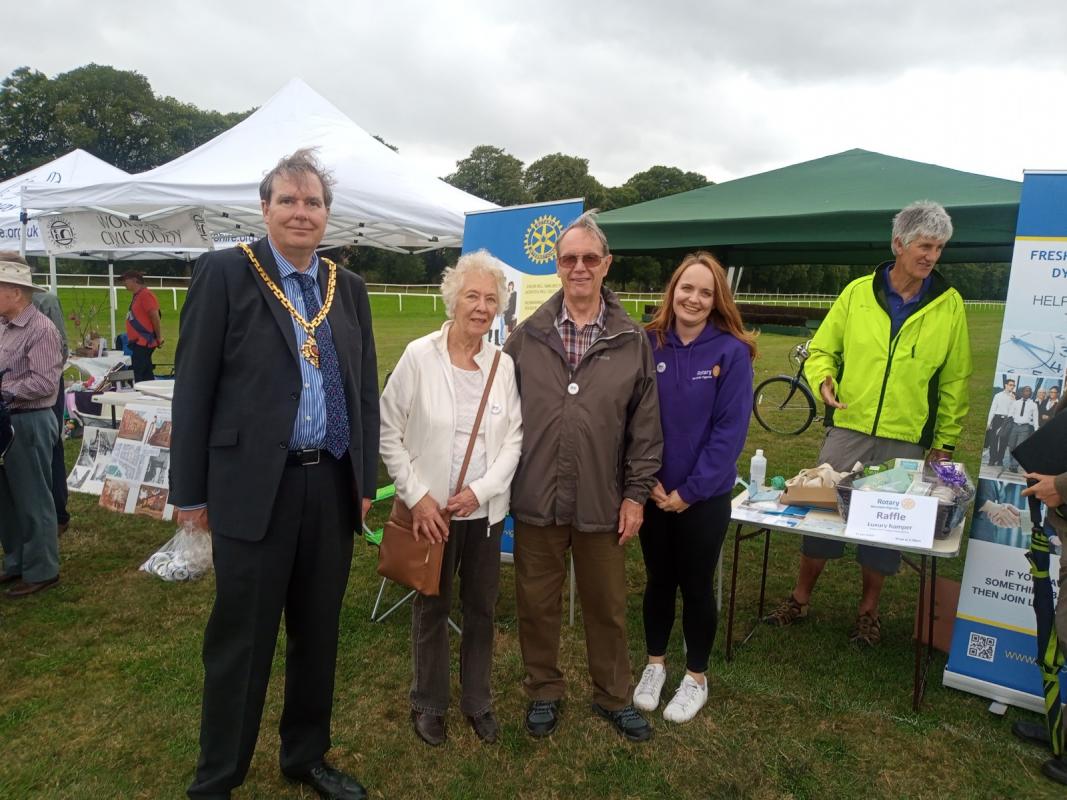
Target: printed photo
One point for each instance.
(1019, 406)
(151, 500)
(1001, 514)
(157, 465)
(159, 432)
(133, 425)
(1039, 353)
(114, 495)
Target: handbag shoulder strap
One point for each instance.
(477, 423)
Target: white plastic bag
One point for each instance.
(185, 557)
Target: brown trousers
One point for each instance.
(600, 574)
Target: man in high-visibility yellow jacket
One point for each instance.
(891, 361)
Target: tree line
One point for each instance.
(115, 115)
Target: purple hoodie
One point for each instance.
(705, 400)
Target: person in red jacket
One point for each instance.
(143, 325)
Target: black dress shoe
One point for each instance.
(1031, 732)
(485, 725)
(1055, 769)
(331, 783)
(542, 716)
(9, 577)
(429, 727)
(627, 722)
(26, 588)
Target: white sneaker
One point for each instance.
(687, 701)
(646, 695)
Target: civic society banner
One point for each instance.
(994, 640)
(93, 231)
(524, 238)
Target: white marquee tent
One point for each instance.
(74, 169)
(380, 199)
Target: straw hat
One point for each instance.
(16, 274)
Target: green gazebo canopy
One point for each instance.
(833, 210)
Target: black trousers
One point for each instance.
(300, 567)
(141, 361)
(59, 467)
(681, 551)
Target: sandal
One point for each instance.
(867, 630)
(787, 613)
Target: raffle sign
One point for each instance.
(994, 641)
(894, 520)
(524, 238)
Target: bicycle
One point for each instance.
(784, 403)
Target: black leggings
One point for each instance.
(681, 550)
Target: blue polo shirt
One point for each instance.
(899, 309)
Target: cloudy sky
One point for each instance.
(723, 87)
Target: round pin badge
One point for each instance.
(661, 366)
(572, 388)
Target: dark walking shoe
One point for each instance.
(627, 722)
(25, 588)
(485, 725)
(542, 716)
(331, 783)
(1055, 769)
(1031, 732)
(787, 613)
(429, 727)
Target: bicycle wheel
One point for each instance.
(783, 405)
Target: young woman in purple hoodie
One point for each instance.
(703, 359)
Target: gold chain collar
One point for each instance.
(310, 348)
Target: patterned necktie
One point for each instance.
(337, 429)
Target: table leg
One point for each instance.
(763, 577)
(733, 595)
(919, 683)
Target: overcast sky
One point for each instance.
(724, 87)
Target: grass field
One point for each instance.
(102, 679)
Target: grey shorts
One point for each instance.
(842, 448)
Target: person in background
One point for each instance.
(891, 361)
(31, 353)
(1046, 409)
(143, 322)
(1023, 423)
(511, 309)
(998, 424)
(428, 411)
(48, 304)
(703, 360)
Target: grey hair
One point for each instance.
(922, 218)
(480, 261)
(299, 165)
(586, 222)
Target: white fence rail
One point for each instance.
(636, 300)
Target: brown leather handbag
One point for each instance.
(417, 564)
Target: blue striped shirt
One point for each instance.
(309, 427)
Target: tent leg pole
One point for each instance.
(111, 300)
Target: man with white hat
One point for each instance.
(31, 352)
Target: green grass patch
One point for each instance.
(102, 677)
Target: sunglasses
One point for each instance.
(589, 261)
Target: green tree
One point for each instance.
(661, 181)
(110, 113)
(491, 174)
(561, 177)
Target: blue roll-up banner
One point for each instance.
(524, 238)
(994, 640)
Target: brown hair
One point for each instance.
(724, 312)
(297, 167)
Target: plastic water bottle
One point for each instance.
(757, 472)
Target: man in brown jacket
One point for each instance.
(591, 448)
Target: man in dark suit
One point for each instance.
(275, 441)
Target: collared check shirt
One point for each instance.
(30, 347)
(577, 340)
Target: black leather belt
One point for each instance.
(304, 458)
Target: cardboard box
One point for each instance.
(813, 497)
(819, 497)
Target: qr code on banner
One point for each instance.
(983, 647)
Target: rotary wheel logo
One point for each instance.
(539, 243)
(907, 504)
(61, 233)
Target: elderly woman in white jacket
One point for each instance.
(428, 409)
